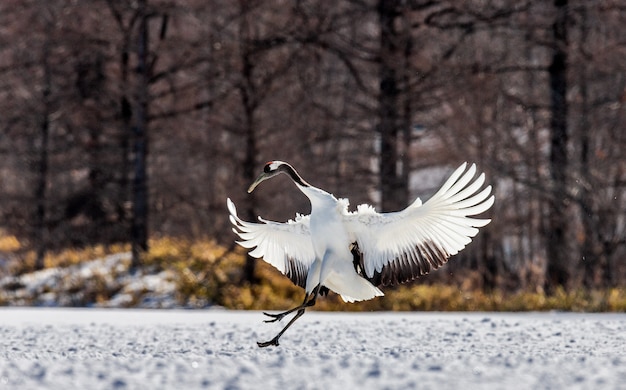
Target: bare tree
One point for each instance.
(596, 84)
(393, 174)
(41, 227)
(558, 253)
(139, 222)
(250, 95)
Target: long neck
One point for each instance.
(289, 170)
(318, 197)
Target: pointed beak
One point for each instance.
(263, 176)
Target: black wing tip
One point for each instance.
(406, 267)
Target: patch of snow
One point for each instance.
(71, 286)
(157, 291)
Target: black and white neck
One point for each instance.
(286, 168)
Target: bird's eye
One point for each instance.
(267, 168)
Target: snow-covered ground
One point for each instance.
(116, 349)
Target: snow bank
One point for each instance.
(89, 283)
(112, 348)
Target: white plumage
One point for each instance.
(351, 253)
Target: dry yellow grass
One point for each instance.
(210, 273)
(207, 273)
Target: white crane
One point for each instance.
(351, 253)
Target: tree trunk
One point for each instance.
(139, 224)
(250, 168)
(393, 180)
(247, 92)
(558, 253)
(41, 228)
(126, 115)
(589, 255)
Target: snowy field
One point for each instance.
(175, 349)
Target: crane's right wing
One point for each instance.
(286, 246)
(392, 248)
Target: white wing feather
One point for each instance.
(400, 246)
(286, 246)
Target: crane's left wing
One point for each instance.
(391, 248)
(286, 246)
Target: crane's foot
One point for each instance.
(272, 342)
(278, 316)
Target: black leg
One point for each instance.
(307, 303)
(274, 341)
(277, 317)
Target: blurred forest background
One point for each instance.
(124, 120)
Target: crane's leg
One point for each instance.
(309, 300)
(300, 311)
(274, 341)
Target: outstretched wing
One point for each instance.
(393, 248)
(286, 246)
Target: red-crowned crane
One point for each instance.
(351, 253)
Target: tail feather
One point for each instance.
(352, 287)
